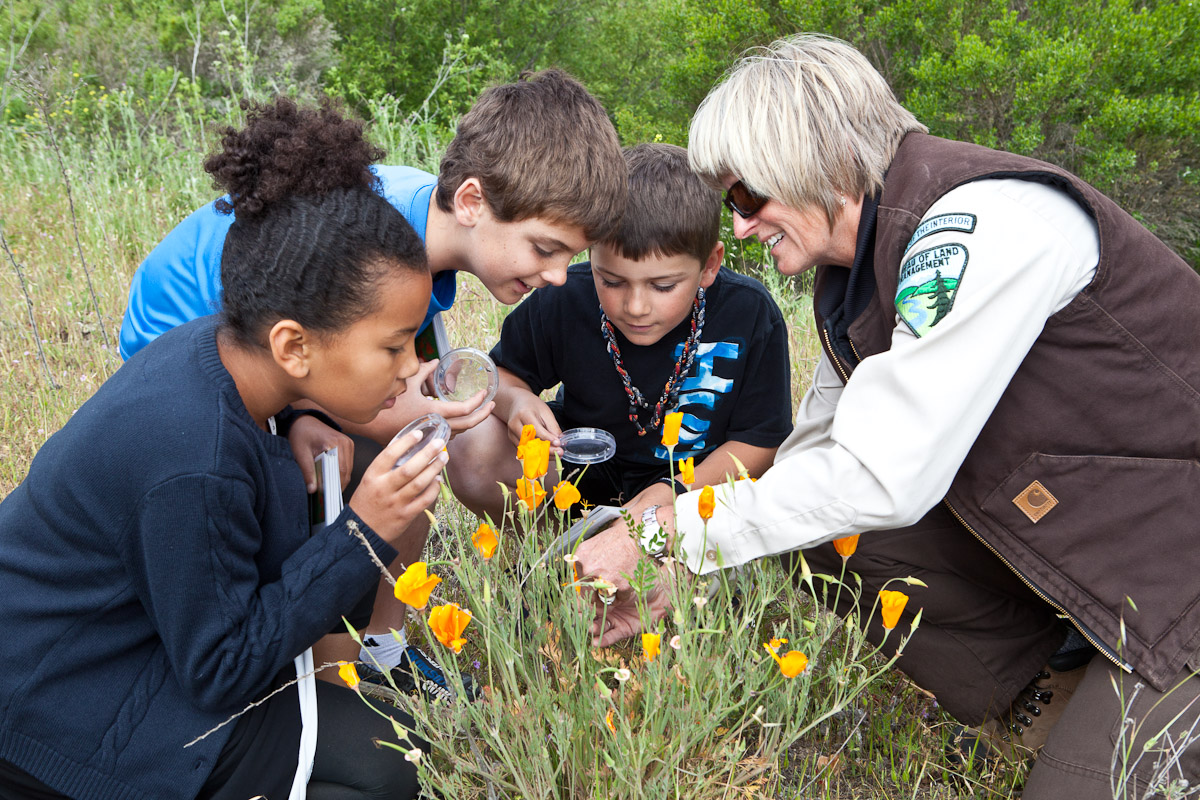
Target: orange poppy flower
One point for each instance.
(708, 503)
(415, 585)
(348, 673)
(891, 606)
(650, 644)
(687, 469)
(485, 540)
(535, 458)
(846, 545)
(530, 493)
(565, 495)
(528, 434)
(671, 424)
(448, 623)
(791, 664)
(608, 720)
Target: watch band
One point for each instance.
(653, 536)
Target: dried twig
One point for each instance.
(37, 336)
(352, 526)
(259, 702)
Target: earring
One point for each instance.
(843, 201)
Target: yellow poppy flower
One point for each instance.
(687, 469)
(448, 622)
(565, 495)
(485, 540)
(348, 673)
(774, 645)
(708, 503)
(414, 586)
(846, 545)
(891, 606)
(530, 493)
(671, 424)
(535, 459)
(650, 645)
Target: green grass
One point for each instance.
(133, 174)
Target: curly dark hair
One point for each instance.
(287, 150)
(312, 237)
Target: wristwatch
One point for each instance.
(653, 535)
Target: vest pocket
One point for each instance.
(1106, 528)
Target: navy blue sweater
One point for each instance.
(156, 575)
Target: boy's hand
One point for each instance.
(529, 409)
(389, 499)
(309, 437)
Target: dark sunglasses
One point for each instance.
(743, 201)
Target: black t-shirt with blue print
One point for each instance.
(738, 388)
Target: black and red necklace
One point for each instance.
(683, 365)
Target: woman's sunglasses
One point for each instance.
(743, 201)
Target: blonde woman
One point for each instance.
(1007, 407)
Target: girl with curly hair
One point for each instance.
(159, 569)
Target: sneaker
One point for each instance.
(416, 672)
(1023, 728)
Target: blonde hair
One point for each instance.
(803, 121)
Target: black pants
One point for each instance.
(260, 756)
(984, 635)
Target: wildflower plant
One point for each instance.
(695, 707)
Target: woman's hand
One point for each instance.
(621, 619)
(389, 498)
(309, 437)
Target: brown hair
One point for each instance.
(540, 147)
(670, 210)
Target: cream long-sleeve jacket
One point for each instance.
(881, 450)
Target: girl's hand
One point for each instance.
(389, 498)
(309, 437)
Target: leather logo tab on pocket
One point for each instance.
(1035, 501)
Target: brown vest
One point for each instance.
(1103, 414)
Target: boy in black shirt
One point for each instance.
(651, 326)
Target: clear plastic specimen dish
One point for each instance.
(463, 373)
(587, 445)
(431, 426)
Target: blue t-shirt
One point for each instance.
(181, 278)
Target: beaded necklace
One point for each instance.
(682, 366)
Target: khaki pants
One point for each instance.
(983, 637)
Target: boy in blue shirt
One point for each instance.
(652, 325)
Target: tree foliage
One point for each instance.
(1105, 89)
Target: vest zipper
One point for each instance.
(1087, 634)
(853, 349)
(833, 356)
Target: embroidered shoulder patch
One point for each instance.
(942, 222)
(928, 284)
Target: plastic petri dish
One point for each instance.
(431, 426)
(587, 445)
(463, 373)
